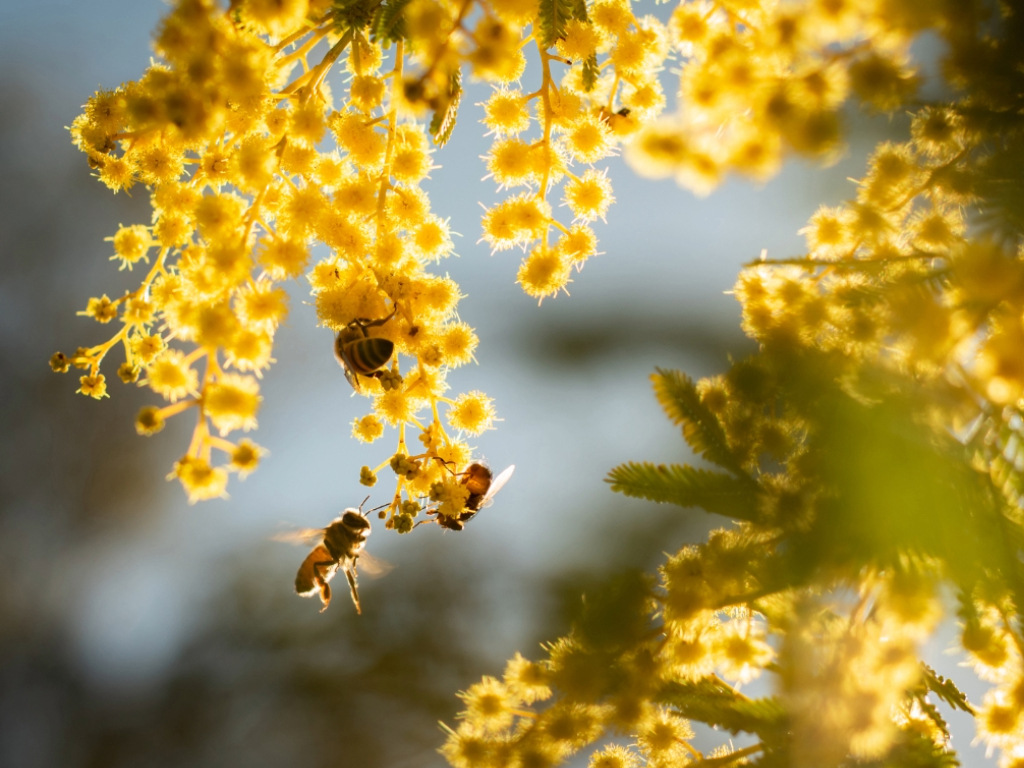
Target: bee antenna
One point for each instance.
(446, 463)
(361, 504)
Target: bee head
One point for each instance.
(355, 521)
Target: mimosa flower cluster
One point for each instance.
(870, 454)
(266, 127)
(227, 131)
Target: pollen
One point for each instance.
(217, 325)
(506, 113)
(527, 680)
(588, 140)
(232, 401)
(149, 421)
(432, 239)
(199, 479)
(145, 347)
(741, 653)
(589, 196)
(128, 373)
(395, 407)
(366, 91)
(578, 244)
(102, 310)
(217, 216)
(828, 233)
(658, 151)
(581, 40)
(544, 273)
(511, 163)
(138, 312)
(489, 705)
(472, 413)
(662, 733)
(261, 306)
(59, 363)
(94, 386)
(363, 143)
(170, 376)
(515, 12)
(367, 428)
(614, 756)
(131, 245)
(245, 457)
(411, 163)
(284, 258)
(457, 342)
(250, 351)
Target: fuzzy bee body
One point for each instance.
(482, 486)
(360, 354)
(340, 547)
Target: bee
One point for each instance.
(360, 354)
(340, 547)
(482, 486)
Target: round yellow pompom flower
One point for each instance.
(472, 412)
(543, 273)
(232, 402)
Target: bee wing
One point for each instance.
(497, 484)
(300, 536)
(373, 566)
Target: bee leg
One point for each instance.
(352, 378)
(325, 588)
(325, 595)
(351, 574)
(364, 323)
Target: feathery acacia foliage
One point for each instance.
(871, 451)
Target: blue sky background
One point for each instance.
(112, 579)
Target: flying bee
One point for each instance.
(360, 354)
(340, 547)
(482, 486)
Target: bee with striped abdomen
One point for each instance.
(482, 485)
(360, 354)
(341, 545)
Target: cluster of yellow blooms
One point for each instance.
(252, 154)
(897, 301)
(227, 130)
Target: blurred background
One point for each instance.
(136, 630)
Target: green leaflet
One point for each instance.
(687, 486)
(389, 22)
(551, 18)
(443, 122)
(945, 689)
(719, 706)
(678, 397)
(590, 72)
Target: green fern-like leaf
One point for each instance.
(687, 486)
(551, 18)
(590, 72)
(915, 750)
(933, 714)
(443, 122)
(389, 22)
(677, 394)
(945, 689)
(719, 706)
